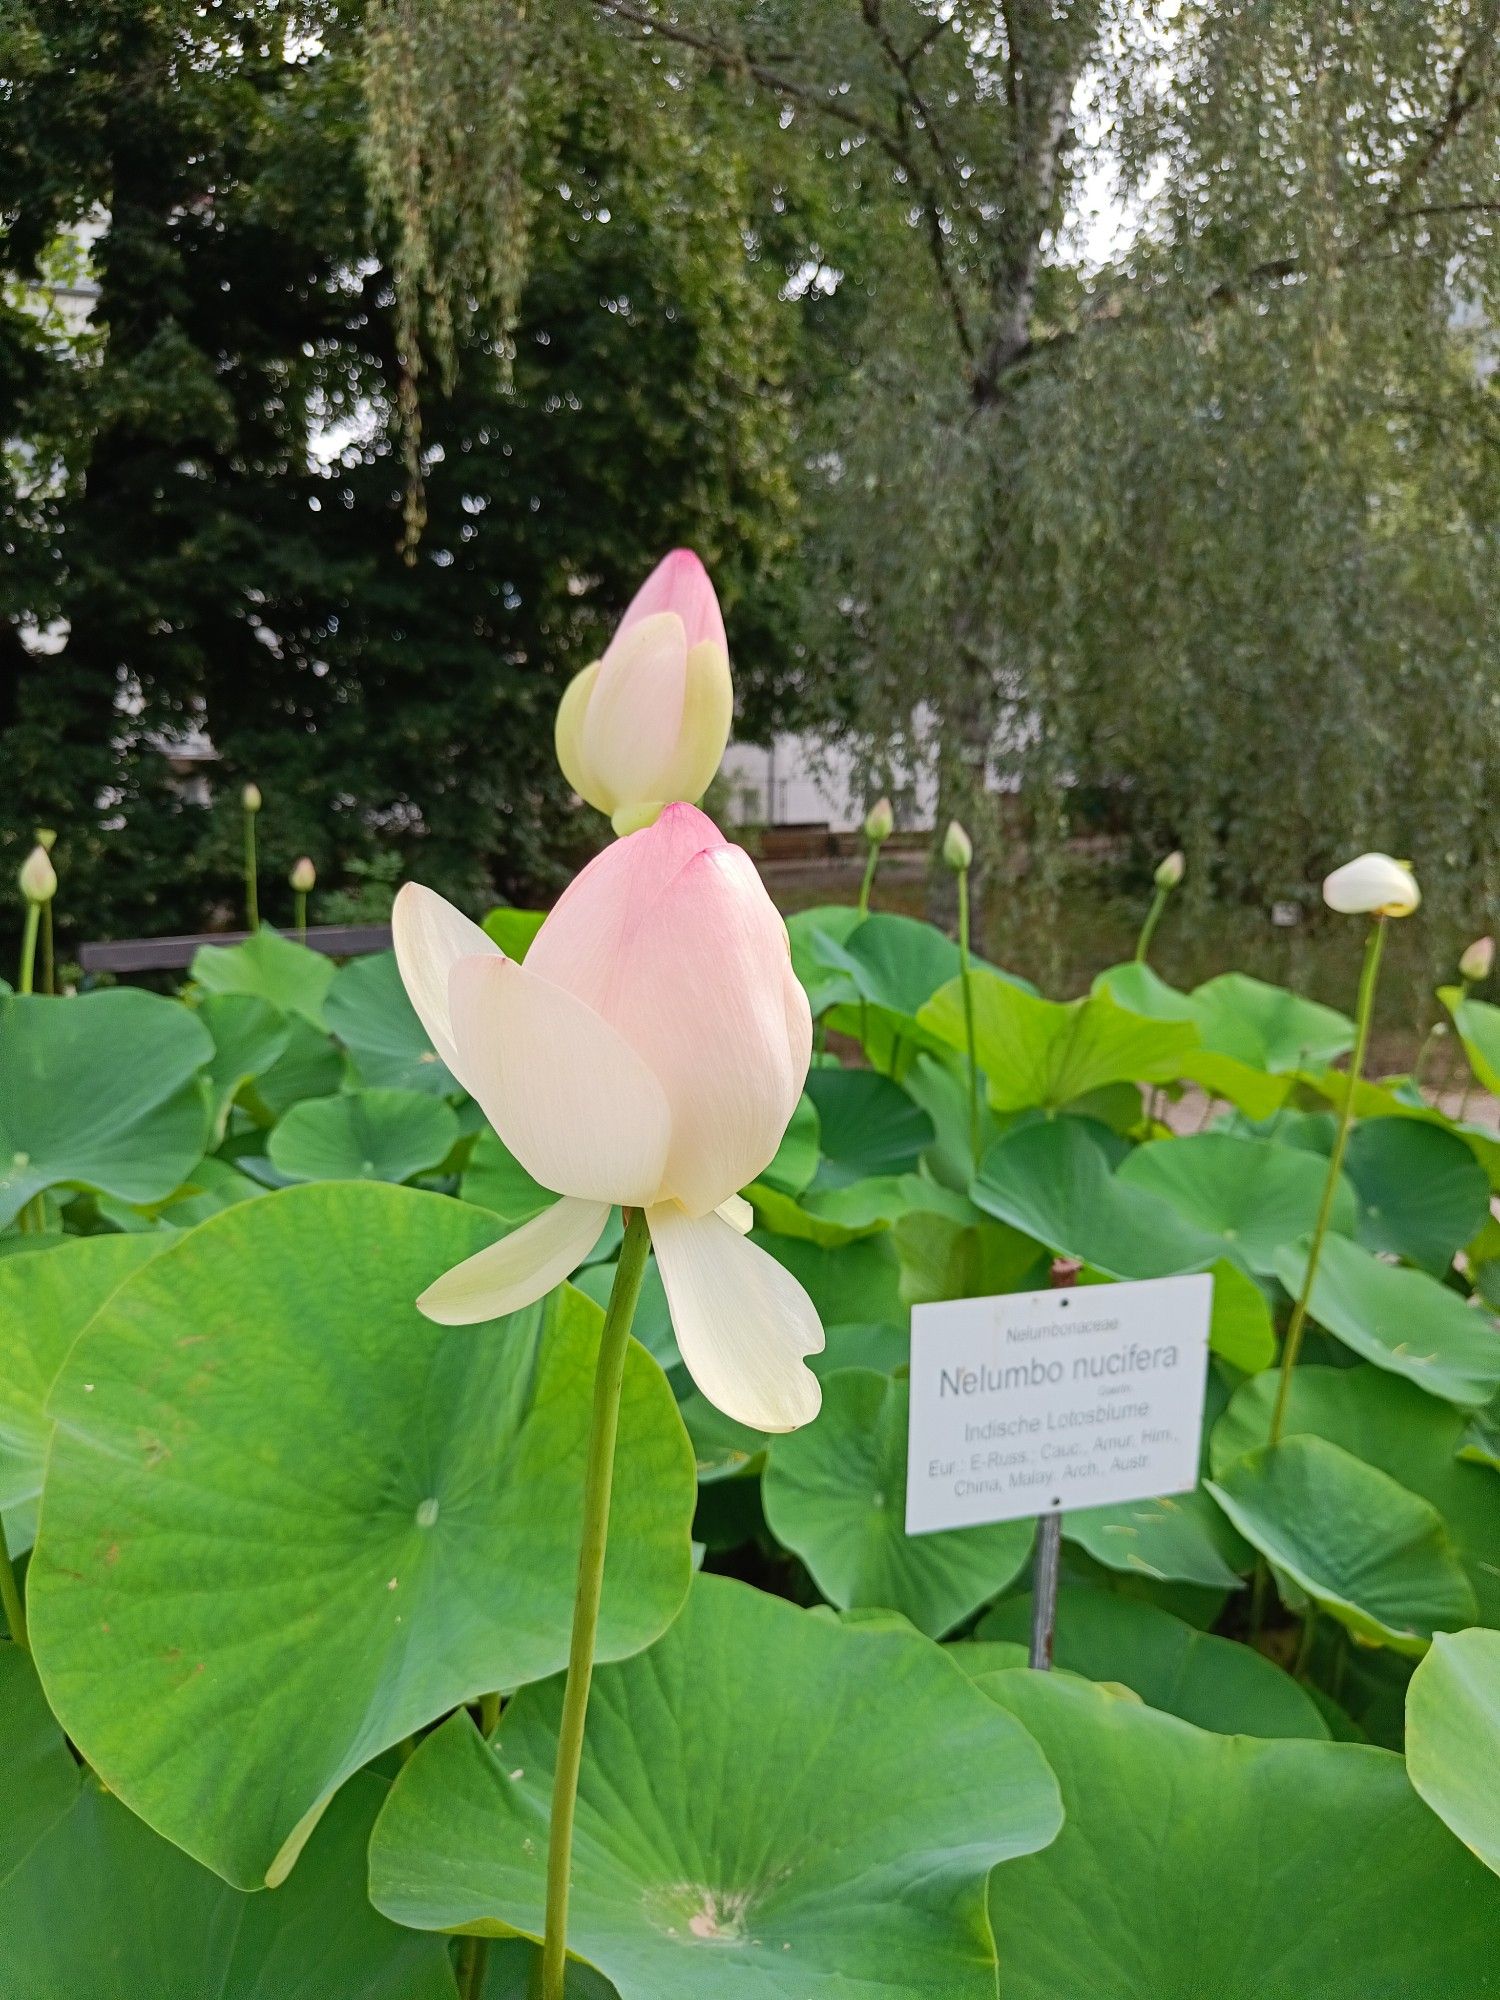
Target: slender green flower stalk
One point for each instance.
(880, 824)
(46, 839)
(38, 884)
(958, 852)
(1169, 872)
(598, 1479)
(250, 801)
(1373, 885)
(302, 878)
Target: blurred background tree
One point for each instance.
(1089, 395)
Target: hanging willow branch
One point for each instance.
(446, 153)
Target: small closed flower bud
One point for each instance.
(46, 836)
(38, 878)
(1170, 871)
(303, 876)
(647, 724)
(1372, 885)
(1478, 961)
(250, 798)
(958, 849)
(880, 822)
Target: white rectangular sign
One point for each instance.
(1041, 1400)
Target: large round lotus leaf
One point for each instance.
(896, 962)
(835, 1494)
(1240, 1325)
(1194, 1866)
(810, 933)
(849, 1281)
(288, 1520)
(496, 1180)
(868, 1126)
(368, 1010)
(1389, 1424)
(1480, 1442)
(1037, 1052)
(1051, 1181)
(269, 967)
(363, 1135)
(796, 1158)
(103, 1091)
(1374, 1556)
(45, 1303)
(1478, 1025)
(310, 1066)
(94, 1906)
(1180, 1538)
(1453, 1737)
(1423, 1195)
(1400, 1319)
(943, 1258)
(514, 930)
(1256, 1197)
(1245, 1084)
(771, 1803)
(1210, 1681)
(250, 1037)
(1266, 1026)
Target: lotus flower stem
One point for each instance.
(299, 899)
(10, 1595)
(28, 946)
(869, 881)
(1148, 928)
(966, 977)
(1364, 1014)
(49, 982)
(598, 1479)
(250, 804)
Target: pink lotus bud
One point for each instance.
(1372, 885)
(303, 876)
(880, 822)
(1478, 961)
(38, 878)
(646, 725)
(1170, 869)
(650, 1052)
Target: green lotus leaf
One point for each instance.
(45, 1303)
(513, 930)
(1371, 1554)
(847, 1281)
(268, 967)
(367, 1008)
(1400, 1319)
(1050, 1181)
(1389, 1424)
(1206, 1680)
(868, 1126)
(796, 1159)
(1266, 1026)
(1192, 1864)
(1257, 1093)
(496, 1180)
(1255, 1196)
(311, 1066)
(938, 1081)
(811, 932)
(92, 1903)
(1478, 1026)
(1042, 1053)
(288, 1521)
(1240, 1325)
(835, 1495)
(943, 1258)
(772, 1802)
(250, 1036)
(363, 1135)
(103, 1091)
(1481, 1440)
(882, 1345)
(1180, 1538)
(1453, 1737)
(1423, 1195)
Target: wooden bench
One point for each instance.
(176, 954)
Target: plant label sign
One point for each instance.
(1036, 1401)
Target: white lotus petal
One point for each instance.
(738, 1213)
(565, 1091)
(520, 1268)
(1372, 884)
(743, 1323)
(430, 937)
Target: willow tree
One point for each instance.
(1205, 515)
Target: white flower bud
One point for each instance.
(1170, 871)
(38, 878)
(303, 876)
(1372, 885)
(880, 822)
(958, 849)
(1476, 964)
(250, 798)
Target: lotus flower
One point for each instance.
(650, 1053)
(1372, 885)
(646, 725)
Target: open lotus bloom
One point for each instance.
(649, 1053)
(1372, 885)
(647, 724)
